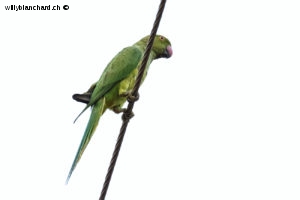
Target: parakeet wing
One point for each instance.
(118, 69)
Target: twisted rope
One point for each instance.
(131, 100)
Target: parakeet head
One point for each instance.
(161, 46)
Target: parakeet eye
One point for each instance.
(161, 38)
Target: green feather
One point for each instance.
(118, 77)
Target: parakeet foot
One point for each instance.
(124, 94)
(130, 97)
(118, 109)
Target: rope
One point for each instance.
(131, 100)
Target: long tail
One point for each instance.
(97, 111)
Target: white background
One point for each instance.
(218, 120)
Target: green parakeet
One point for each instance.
(115, 84)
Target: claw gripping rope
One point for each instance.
(128, 113)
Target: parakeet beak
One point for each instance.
(168, 52)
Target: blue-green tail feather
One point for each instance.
(97, 110)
